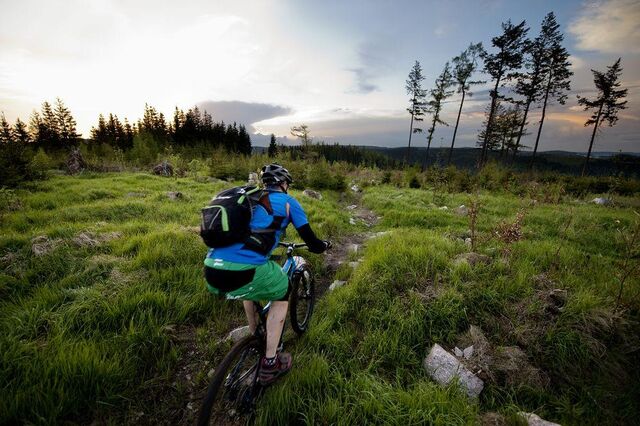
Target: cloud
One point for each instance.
(611, 26)
(375, 58)
(245, 113)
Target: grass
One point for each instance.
(86, 330)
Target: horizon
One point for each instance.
(339, 68)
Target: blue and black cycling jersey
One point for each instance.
(267, 230)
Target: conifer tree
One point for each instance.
(417, 104)
(273, 147)
(20, 132)
(438, 94)
(66, 125)
(502, 66)
(464, 65)
(49, 135)
(556, 70)
(303, 133)
(607, 103)
(6, 134)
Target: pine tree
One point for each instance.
(20, 132)
(244, 141)
(556, 71)
(464, 65)
(303, 133)
(417, 104)
(6, 134)
(501, 67)
(49, 134)
(434, 106)
(606, 105)
(273, 147)
(66, 125)
(99, 135)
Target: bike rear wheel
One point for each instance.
(234, 387)
(303, 298)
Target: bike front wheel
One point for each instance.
(234, 386)
(303, 298)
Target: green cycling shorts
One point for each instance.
(269, 281)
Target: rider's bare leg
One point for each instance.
(275, 323)
(252, 314)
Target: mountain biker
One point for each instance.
(244, 272)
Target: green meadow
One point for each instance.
(101, 273)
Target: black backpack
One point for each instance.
(225, 221)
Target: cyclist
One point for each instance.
(244, 272)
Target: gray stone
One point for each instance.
(444, 367)
(461, 210)
(352, 207)
(352, 221)
(601, 201)
(443, 208)
(336, 284)
(468, 352)
(312, 194)
(238, 333)
(163, 169)
(457, 351)
(253, 179)
(354, 248)
(467, 241)
(355, 188)
(174, 195)
(535, 420)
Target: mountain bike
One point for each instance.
(234, 388)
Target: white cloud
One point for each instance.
(611, 26)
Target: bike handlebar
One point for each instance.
(292, 245)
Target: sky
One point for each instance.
(338, 66)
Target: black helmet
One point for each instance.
(273, 174)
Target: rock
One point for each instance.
(336, 284)
(535, 420)
(511, 367)
(135, 195)
(467, 241)
(354, 248)
(163, 169)
(253, 179)
(493, 419)
(42, 245)
(601, 201)
(352, 207)
(472, 259)
(238, 333)
(174, 195)
(457, 351)
(461, 210)
(443, 208)
(312, 194)
(468, 352)
(444, 367)
(352, 221)
(75, 162)
(355, 188)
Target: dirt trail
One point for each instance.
(176, 399)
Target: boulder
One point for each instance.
(75, 162)
(535, 420)
(163, 169)
(312, 194)
(174, 196)
(336, 284)
(443, 367)
(472, 259)
(461, 210)
(601, 201)
(239, 333)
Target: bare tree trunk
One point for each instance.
(408, 155)
(494, 97)
(455, 130)
(593, 136)
(524, 121)
(426, 158)
(544, 110)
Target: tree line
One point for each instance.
(523, 72)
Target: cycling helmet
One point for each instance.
(274, 174)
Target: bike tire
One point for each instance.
(303, 297)
(233, 378)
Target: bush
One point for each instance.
(40, 164)
(15, 164)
